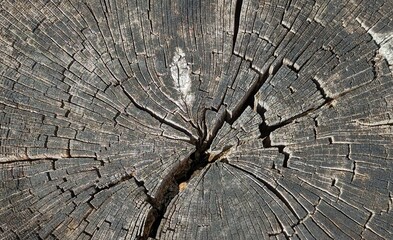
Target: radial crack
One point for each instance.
(321, 90)
(270, 188)
(238, 8)
(162, 120)
(169, 188)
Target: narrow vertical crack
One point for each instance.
(238, 8)
(322, 91)
(353, 171)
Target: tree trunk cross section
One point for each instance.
(240, 119)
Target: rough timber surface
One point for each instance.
(175, 119)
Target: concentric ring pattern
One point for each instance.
(240, 119)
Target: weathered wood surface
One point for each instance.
(196, 119)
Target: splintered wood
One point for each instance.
(174, 119)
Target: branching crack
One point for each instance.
(310, 214)
(230, 118)
(160, 119)
(248, 100)
(267, 130)
(365, 226)
(353, 171)
(200, 159)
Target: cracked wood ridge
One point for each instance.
(241, 119)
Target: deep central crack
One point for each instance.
(169, 188)
(197, 161)
(200, 158)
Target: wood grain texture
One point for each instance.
(175, 119)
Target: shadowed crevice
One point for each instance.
(169, 189)
(238, 8)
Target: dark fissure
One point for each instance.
(200, 158)
(169, 188)
(238, 8)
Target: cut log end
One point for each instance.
(196, 120)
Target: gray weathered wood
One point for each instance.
(241, 119)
